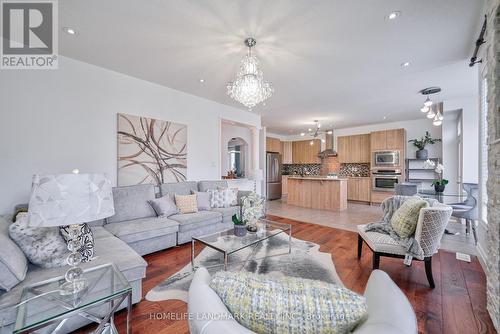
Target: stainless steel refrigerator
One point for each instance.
(273, 175)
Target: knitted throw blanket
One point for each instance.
(389, 206)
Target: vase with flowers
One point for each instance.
(439, 183)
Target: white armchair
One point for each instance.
(431, 224)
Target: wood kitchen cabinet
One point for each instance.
(378, 140)
(388, 140)
(358, 189)
(286, 151)
(354, 149)
(395, 139)
(305, 153)
(273, 145)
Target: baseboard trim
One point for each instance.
(481, 253)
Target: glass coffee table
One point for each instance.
(42, 304)
(227, 243)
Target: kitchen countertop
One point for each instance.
(319, 178)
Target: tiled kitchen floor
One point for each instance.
(361, 214)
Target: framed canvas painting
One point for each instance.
(150, 151)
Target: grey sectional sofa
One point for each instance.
(133, 231)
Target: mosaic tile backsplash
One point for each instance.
(354, 169)
(298, 169)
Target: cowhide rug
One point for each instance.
(305, 261)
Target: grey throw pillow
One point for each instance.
(43, 246)
(13, 263)
(164, 206)
(202, 200)
(86, 238)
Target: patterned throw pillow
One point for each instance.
(186, 203)
(288, 305)
(230, 196)
(43, 246)
(86, 238)
(405, 218)
(217, 198)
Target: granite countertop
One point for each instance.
(319, 178)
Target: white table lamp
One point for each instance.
(70, 199)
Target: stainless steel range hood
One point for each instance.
(329, 151)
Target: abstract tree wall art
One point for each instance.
(150, 151)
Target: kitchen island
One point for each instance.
(318, 192)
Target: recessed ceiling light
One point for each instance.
(405, 64)
(302, 134)
(202, 80)
(394, 15)
(309, 129)
(69, 30)
(385, 117)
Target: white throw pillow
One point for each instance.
(230, 196)
(217, 197)
(43, 246)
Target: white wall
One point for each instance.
(450, 149)
(414, 129)
(52, 121)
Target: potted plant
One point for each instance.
(240, 226)
(440, 183)
(422, 142)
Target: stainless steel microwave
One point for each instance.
(386, 158)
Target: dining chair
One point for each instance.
(468, 209)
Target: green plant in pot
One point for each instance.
(240, 226)
(440, 183)
(422, 143)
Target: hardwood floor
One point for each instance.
(456, 305)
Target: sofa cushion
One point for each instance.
(142, 229)
(186, 203)
(191, 221)
(227, 212)
(43, 246)
(211, 185)
(107, 250)
(164, 206)
(405, 218)
(289, 304)
(13, 263)
(132, 203)
(179, 188)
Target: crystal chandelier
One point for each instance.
(249, 88)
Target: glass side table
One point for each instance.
(42, 304)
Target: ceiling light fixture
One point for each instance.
(405, 64)
(302, 134)
(249, 88)
(424, 109)
(69, 30)
(394, 15)
(202, 80)
(428, 102)
(431, 113)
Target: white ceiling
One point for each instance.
(333, 60)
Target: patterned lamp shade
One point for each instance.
(65, 199)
